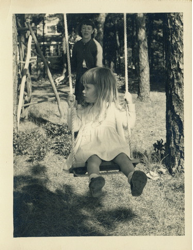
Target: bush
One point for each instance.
(33, 143)
(54, 130)
(61, 138)
(36, 142)
(62, 145)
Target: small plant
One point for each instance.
(159, 151)
(151, 157)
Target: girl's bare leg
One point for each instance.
(125, 164)
(96, 181)
(93, 164)
(137, 179)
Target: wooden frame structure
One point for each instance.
(25, 71)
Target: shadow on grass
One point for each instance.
(38, 212)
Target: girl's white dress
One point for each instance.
(105, 139)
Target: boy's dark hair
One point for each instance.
(86, 22)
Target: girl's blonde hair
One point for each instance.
(106, 87)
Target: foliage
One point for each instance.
(62, 138)
(62, 145)
(34, 18)
(74, 20)
(33, 143)
(156, 155)
(53, 130)
(113, 41)
(159, 150)
(36, 143)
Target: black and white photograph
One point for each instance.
(98, 129)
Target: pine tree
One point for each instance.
(174, 92)
(144, 79)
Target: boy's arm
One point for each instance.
(99, 55)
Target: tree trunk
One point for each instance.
(144, 79)
(150, 39)
(174, 93)
(135, 56)
(44, 52)
(15, 73)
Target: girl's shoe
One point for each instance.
(138, 182)
(96, 184)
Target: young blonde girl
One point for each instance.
(100, 125)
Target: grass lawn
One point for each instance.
(51, 202)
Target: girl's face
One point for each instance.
(89, 92)
(87, 31)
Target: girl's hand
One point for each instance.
(128, 97)
(71, 100)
